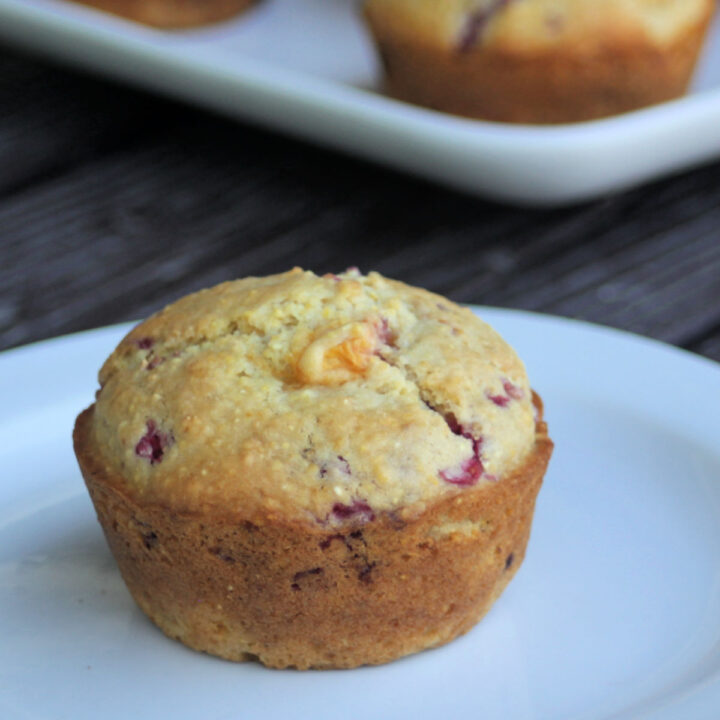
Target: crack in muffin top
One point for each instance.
(325, 400)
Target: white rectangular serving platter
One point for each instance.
(308, 68)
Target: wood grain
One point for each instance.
(113, 203)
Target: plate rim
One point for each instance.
(698, 699)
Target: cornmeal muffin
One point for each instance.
(538, 61)
(173, 13)
(314, 471)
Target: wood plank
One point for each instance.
(651, 265)
(216, 200)
(53, 119)
(133, 221)
(127, 233)
(709, 346)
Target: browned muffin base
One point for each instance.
(173, 13)
(542, 87)
(313, 597)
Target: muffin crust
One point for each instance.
(314, 471)
(538, 61)
(307, 596)
(173, 13)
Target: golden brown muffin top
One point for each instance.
(324, 399)
(531, 25)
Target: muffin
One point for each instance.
(314, 472)
(538, 61)
(173, 13)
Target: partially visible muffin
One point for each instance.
(538, 61)
(314, 471)
(173, 13)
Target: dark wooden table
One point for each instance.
(114, 202)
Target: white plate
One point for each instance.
(615, 613)
(306, 67)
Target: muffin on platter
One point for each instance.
(314, 472)
(173, 13)
(538, 61)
